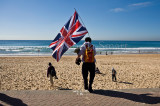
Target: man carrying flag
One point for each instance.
(88, 52)
(71, 33)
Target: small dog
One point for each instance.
(77, 50)
(78, 62)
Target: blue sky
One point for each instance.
(104, 19)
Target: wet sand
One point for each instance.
(29, 73)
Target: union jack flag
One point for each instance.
(71, 33)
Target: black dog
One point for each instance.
(77, 50)
(78, 62)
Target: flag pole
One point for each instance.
(82, 21)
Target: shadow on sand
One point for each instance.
(142, 98)
(100, 73)
(11, 101)
(126, 82)
(59, 88)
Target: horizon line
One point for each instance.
(82, 40)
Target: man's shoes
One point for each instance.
(90, 89)
(86, 88)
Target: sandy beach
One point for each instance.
(29, 73)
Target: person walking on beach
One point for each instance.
(88, 52)
(51, 73)
(114, 74)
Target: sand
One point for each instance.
(29, 73)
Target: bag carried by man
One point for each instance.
(89, 54)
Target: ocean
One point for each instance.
(40, 47)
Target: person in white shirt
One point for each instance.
(88, 53)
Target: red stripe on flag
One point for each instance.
(69, 42)
(53, 43)
(74, 28)
(79, 34)
(59, 45)
(63, 32)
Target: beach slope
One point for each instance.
(29, 73)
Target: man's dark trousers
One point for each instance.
(85, 68)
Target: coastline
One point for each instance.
(41, 47)
(29, 72)
(99, 53)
